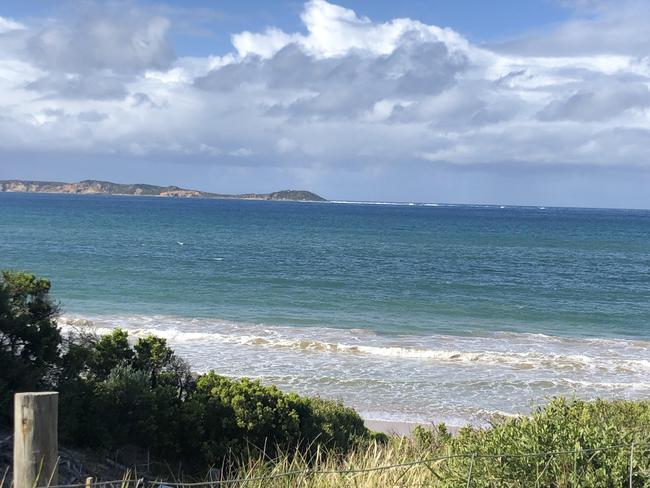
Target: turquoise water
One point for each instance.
(404, 311)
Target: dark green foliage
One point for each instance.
(150, 399)
(115, 393)
(153, 356)
(330, 423)
(561, 426)
(239, 415)
(109, 352)
(244, 415)
(29, 337)
(146, 396)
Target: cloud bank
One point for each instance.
(348, 96)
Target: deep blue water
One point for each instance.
(409, 277)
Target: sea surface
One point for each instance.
(407, 312)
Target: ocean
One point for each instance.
(407, 312)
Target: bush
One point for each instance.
(245, 416)
(145, 396)
(114, 393)
(563, 425)
(29, 337)
(330, 424)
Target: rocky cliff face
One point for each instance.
(94, 187)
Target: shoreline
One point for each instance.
(310, 361)
(403, 428)
(393, 427)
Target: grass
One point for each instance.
(566, 444)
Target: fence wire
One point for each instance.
(142, 483)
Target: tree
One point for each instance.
(110, 351)
(29, 338)
(153, 356)
(114, 393)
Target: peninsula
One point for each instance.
(94, 187)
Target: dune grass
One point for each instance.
(568, 443)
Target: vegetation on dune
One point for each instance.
(567, 435)
(116, 392)
(566, 444)
(29, 339)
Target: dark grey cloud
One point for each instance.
(598, 103)
(342, 86)
(140, 99)
(92, 116)
(97, 52)
(104, 38)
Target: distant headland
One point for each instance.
(94, 187)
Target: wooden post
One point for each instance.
(36, 447)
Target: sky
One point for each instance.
(537, 102)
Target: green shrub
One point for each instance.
(563, 425)
(330, 424)
(245, 416)
(114, 393)
(29, 337)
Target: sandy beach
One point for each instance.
(399, 428)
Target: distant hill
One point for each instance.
(94, 187)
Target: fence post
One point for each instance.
(36, 439)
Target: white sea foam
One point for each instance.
(398, 204)
(456, 379)
(534, 351)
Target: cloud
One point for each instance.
(125, 42)
(92, 116)
(609, 27)
(598, 103)
(7, 25)
(333, 30)
(343, 86)
(94, 55)
(75, 86)
(346, 94)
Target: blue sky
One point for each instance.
(216, 20)
(520, 102)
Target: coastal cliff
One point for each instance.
(94, 187)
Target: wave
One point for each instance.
(572, 355)
(455, 379)
(398, 204)
(606, 384)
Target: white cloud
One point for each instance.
(349, 93)
(336, 31)
(264, 44)
(610, 27)
(7, 25)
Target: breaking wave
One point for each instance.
(535, 351)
